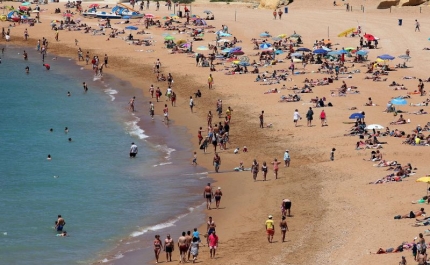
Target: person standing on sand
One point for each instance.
(157, 247)
(310, 116)
(417, 26)
(191, 104)
(270, 229)
(323, 118)
(183, 248)
(188, 240)
(284, 228)
(157, 65)
(287, 158)
(218, 195)
(262, 119)
(422, 241)
(151, 109)
(151, 90)
(274, 14)
(332, 154)
(25, 34)
(157, 93)
(133, 150)
(217, 162)
(280, 14)
(106, 60)
(296, 117)
(169, 247)
(207, 193)
(210, 81)
(213, 244)
(254, 169)
(264, 169)
(56, 34)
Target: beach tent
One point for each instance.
(346, 32)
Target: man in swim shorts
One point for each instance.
(210, 227)
(133, 150)
(183, 248)
(60, 223)
(286, 207)
(217, 195)
(169, 247)
(270, 228)
(207, 193)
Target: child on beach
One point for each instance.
(194, 163)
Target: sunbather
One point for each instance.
(411, 214)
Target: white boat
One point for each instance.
(105, 15)
(89, 14)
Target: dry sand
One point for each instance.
(337, 217)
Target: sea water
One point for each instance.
(103, 195)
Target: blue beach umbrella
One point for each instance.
(302, 49)
(342, 52)
(277, 52)
(26, 4)
(131, 28)
(399, 101)
(333, 53)
(362, 52)
(320, 51)
(244, 64)
(356, 116)
(265, 46)
(386, 57)
(226, 50)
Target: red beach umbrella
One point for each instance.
(94, 5)
(67, 15)
(369, 37)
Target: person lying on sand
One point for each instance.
(411, 214)
(424, 199)
(389, 250)
(385, 163)
(409, 77)
(401, 120)
(420, 112)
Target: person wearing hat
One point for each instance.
(286, 158)
(217, 195)
(270, 228)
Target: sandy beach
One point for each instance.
(337, 217)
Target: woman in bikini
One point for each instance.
(254, 169)
(284, 227)
(209, 118)
(199, 135)
(157, 247)
(264, 169)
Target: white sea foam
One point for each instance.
(156, 227)
(162, 164)
(117, 256)
(135, 130)
(111, 92)
(166, 149)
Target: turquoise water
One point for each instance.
(102, 193)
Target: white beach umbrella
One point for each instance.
(374, 126)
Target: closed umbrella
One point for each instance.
(374, 126)
(399, 101)
(356, 116)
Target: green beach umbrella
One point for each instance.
(26, 4)
(169, 38)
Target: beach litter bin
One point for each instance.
(400, 21)
(179, 14)
(286, 10)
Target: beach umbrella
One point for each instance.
(362, 52)
(386, 57)
(24, 8)
(302, 49)
(181, 41)
(244, 64)
(265, 46)
(399, 101)
(295, 35)
(186, 45)
(26, 4)
(349, 48)
(237, 48)
(356, 115)
(223, 34)
(319, 51)
(279, 52)
(207, 11)
(67, 15)
(282, 36)
(342, 52)
(374, 126)
(244, 59)
(131, 28)
(405, 57)
(149, 16)
(369, 37)
(169, 38)
(425, 179)
(265, 35)
(93, 5)
(326, 49)
(202, 48)
(226, 50)
(236, 61)
(296, 54)
(276, 39)
(333, 53)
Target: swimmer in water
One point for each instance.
(70, 139)
(47, 66)
(49, 157)
(68, 93)
(51, 130)
(66, 130)
(27, 69)
(62, 234)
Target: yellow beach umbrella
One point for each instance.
(425, 179)
(282, 36)
(179, 42)
(378, 60)
(175, 17)
(346, 32)
(236, 62)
